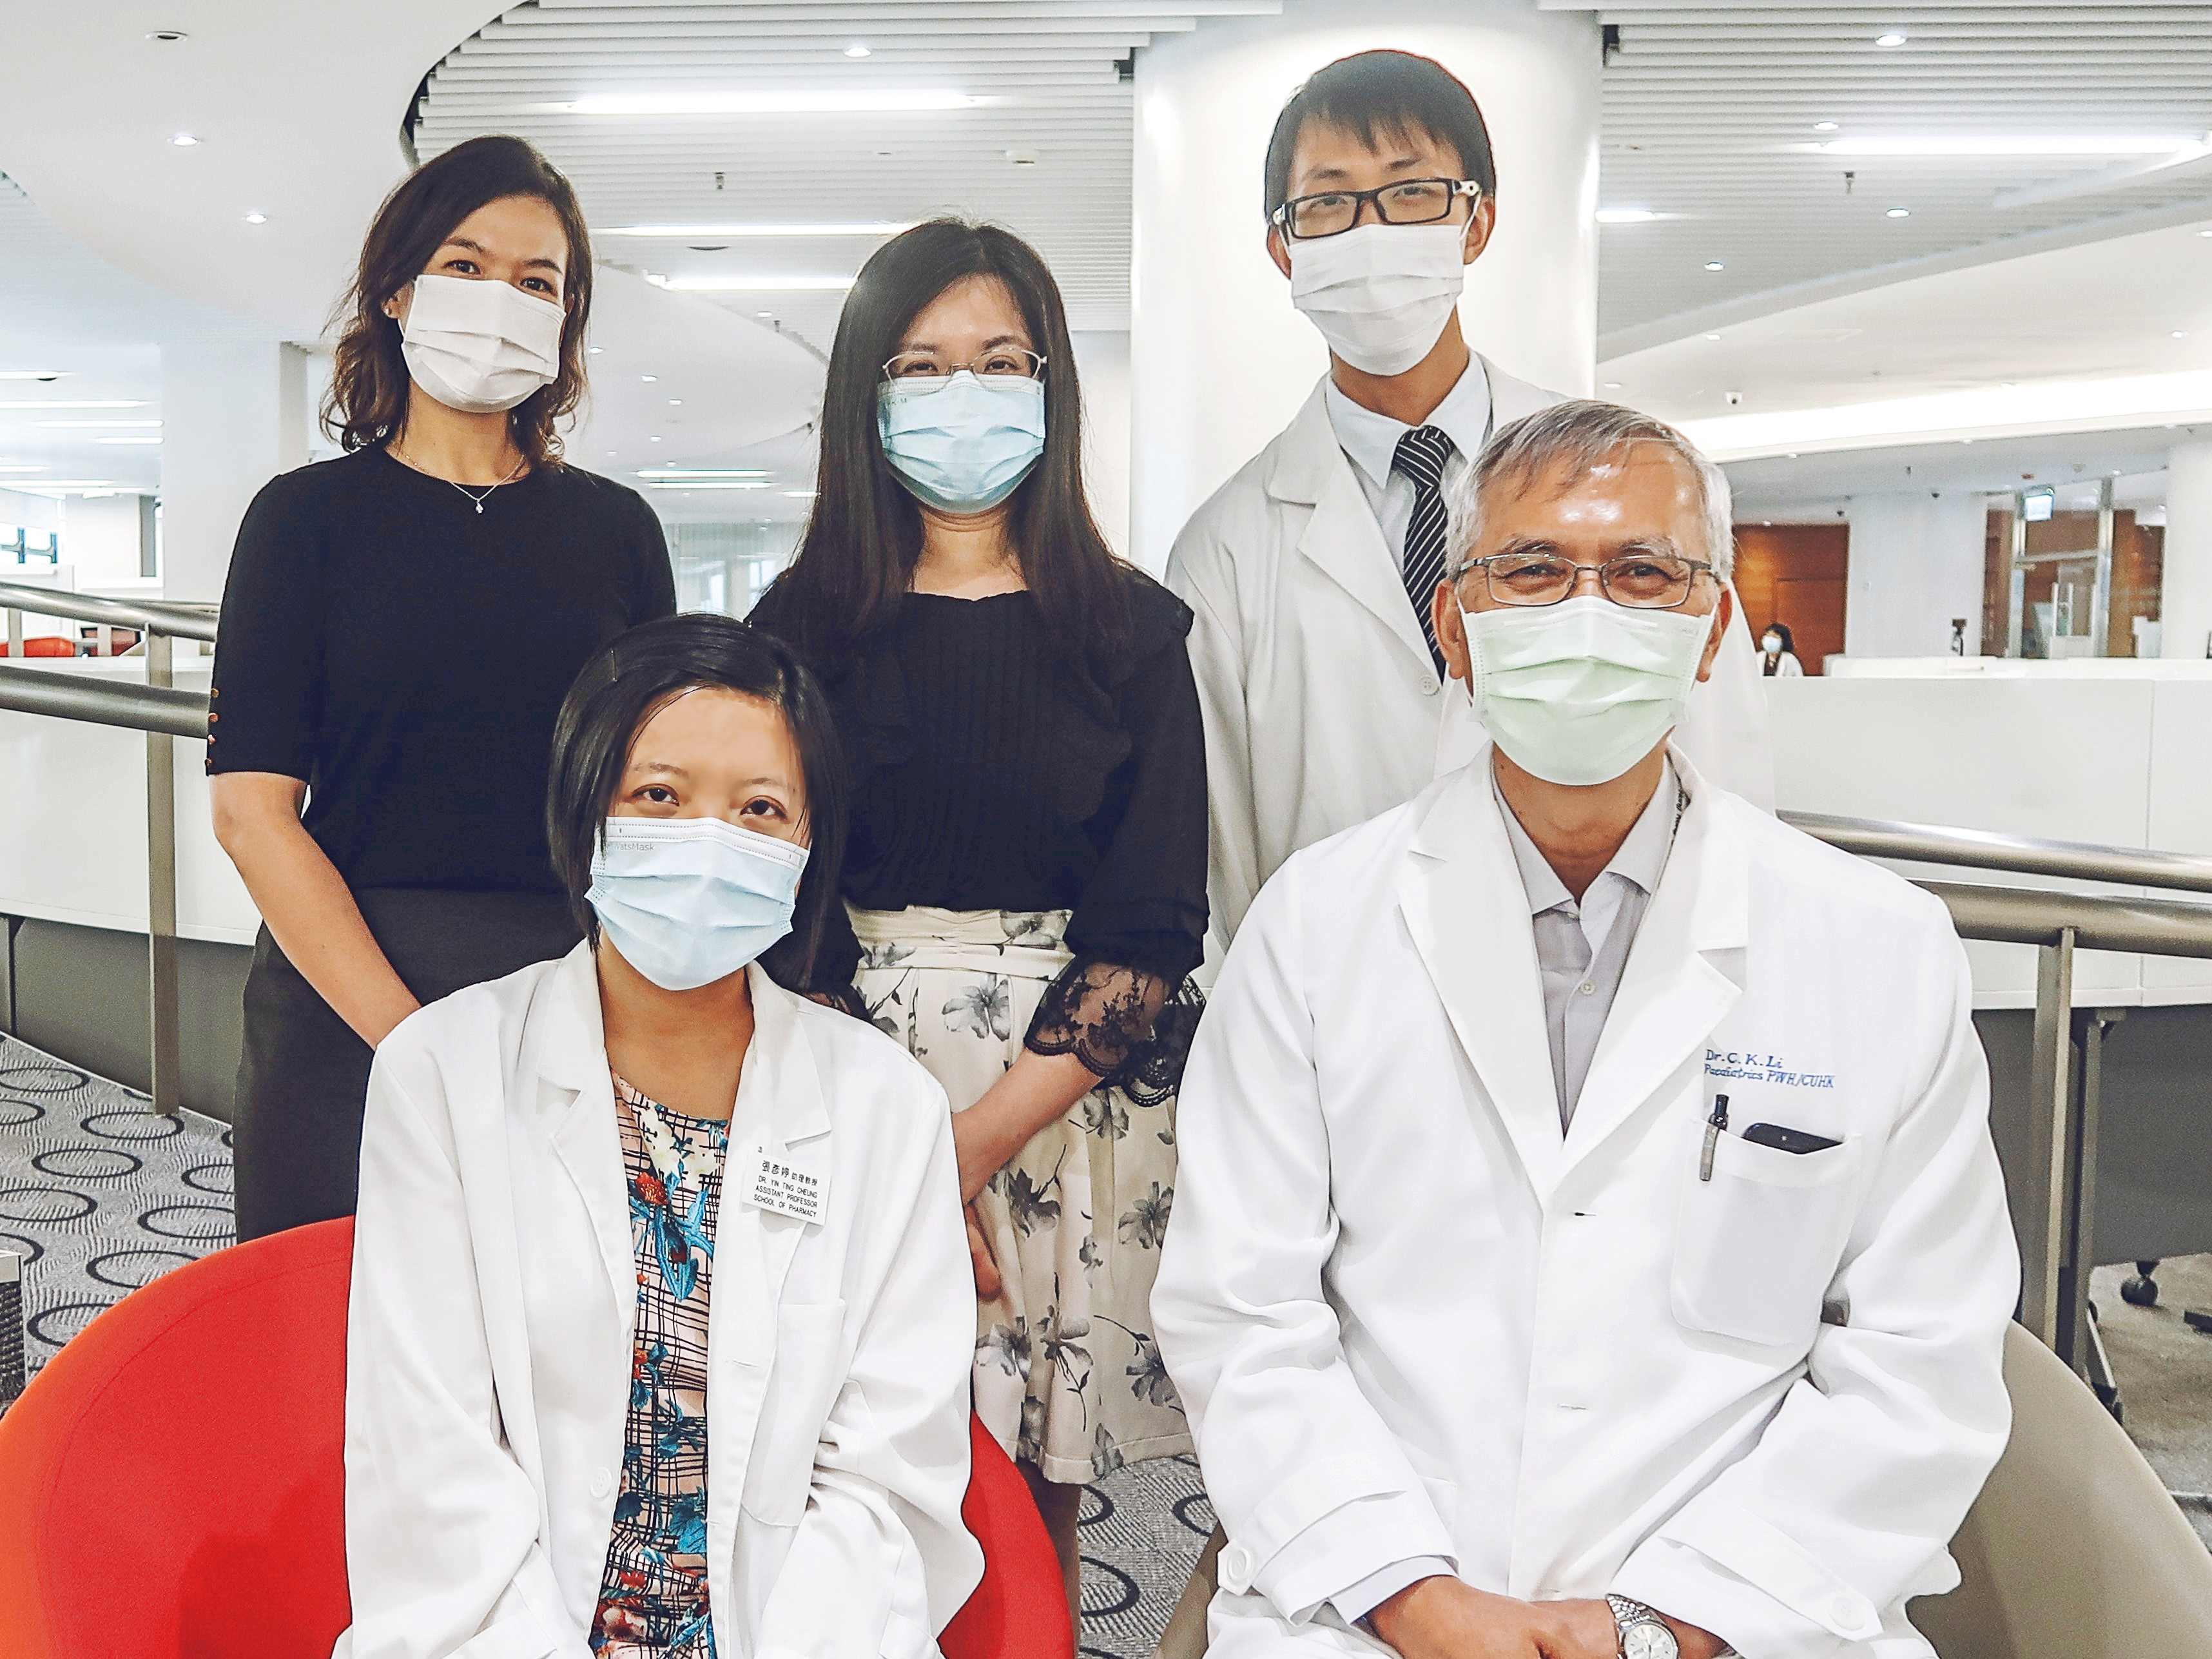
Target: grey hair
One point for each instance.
(1580, 436)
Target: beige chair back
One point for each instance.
(2074, 1550)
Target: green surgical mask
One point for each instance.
(1578, 692)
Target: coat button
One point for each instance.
(1844, 1610)
(602, 1483)
(1429, 688)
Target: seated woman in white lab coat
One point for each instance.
(1778, 654)
(557, 1442)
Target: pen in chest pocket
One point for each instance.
(1714, 1125)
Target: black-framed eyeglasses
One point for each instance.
(999, 362)
(1408, 202)
(1642, 581)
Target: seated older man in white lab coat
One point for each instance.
(1589, 1239)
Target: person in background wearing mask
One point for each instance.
(1590, 1240)
(398, 628)
(1312, 572)
(604, 1198)
(1778, 654)
(1027, 872)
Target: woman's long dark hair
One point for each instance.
(857, 559)
(366, 404)
(633, 678)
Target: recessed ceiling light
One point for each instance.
(800, 494)
(31, 374)
(858, 103)
(257, 218)
(649, 378)
(1628, 216)
(757, 284)
(2204, 233)
(1712, 336)
(1899, 213)
(1715, 264)
(769, 315)
(184, 140)
(692, 232)
(1791, 456)
(167, 37)
(1612, 385)
(858, 49)
(1827, 126)
(75, 403)
(676, 403)
(593, 351)
(1892, 39)
(656, 438)
(2181, 334)
(2019, 144)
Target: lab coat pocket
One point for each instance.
(1755, 1247)
(802, 1386)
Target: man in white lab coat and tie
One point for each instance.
(1311, 572)
(1588, 1238)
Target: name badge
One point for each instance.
(780, 1187)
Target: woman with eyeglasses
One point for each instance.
(1026, 872)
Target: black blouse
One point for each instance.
(992, 768)
(406, 655)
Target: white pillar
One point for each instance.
(2184, 593)
(1220, 361)
(1102, 357)
(1916, 564)
(101, 539)
(233, 415)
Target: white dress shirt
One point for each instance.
(1370, 442)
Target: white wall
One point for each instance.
(101, 537)
(2185, 589)
(1916, 563)
(233, 417)
(1102, 356)
(38, 512)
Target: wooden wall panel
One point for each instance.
(1796, 574)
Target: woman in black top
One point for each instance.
(398, 629)
(1026, 866)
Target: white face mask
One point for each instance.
(1770, 644)
(1578, 692)
(480, 346)
(1380, 294)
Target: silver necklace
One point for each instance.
(478, 500)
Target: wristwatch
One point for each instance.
(1644, 1633)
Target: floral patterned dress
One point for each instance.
(1067, 1374)
(653, 1594)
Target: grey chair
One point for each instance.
(2074, 1550)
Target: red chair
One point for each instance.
(172, 1485)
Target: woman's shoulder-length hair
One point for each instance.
(366, 403)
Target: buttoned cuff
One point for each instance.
(1750, 1584)
(1325, 1529)
(1371, 1592)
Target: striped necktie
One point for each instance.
(1421, 456)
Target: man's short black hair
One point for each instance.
(1383, 95)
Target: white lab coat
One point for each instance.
(495, 1295)
(1322, 705)
(1408, 1317)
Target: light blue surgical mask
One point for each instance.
(690, 900)
(962, 445)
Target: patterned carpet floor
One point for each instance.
(99, 1196)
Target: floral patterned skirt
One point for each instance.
(1067, 1376)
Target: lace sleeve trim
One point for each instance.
(1132, 1029)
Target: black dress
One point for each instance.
(405, 656)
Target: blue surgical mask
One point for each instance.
(962, 445)
(690, 900)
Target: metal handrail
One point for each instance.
(177, 620)
(73, 697)
(1981, 849)
(2035, 916)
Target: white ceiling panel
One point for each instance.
(1044, 149)
(1712, 112)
